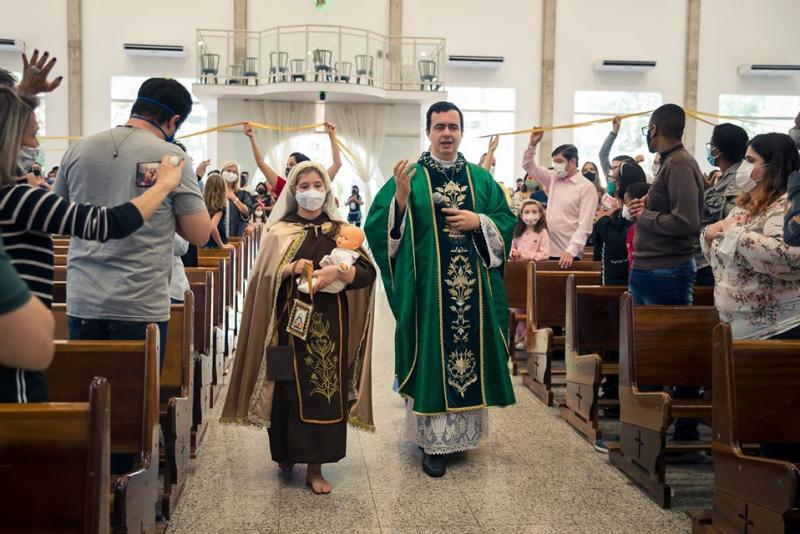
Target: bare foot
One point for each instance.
(285, 466)
(316, 481)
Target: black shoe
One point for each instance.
(434, 465)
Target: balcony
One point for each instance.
(301, 62)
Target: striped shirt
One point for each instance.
(28, 216)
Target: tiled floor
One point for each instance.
(533, 474)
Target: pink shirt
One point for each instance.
(571, 205)
(532, 245)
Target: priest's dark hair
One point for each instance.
(442, 107)
(568, 151)
(160, 99)
(670, 119)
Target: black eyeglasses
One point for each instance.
(645, 129)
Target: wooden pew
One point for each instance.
(60, 273)
(546, 297)
(176, 401)
(54, 460)
(755, 399)
(580, 265)
(60, 250)
(59, 260)
(515, 281)
(218, 316)
(592, 329)
(659, 346)
(210, 257)
(60, 292)
(202, 286)
(131, 368)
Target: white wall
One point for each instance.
(46, 33)
(733, 32)
(616, 29)
(107, 24)
(511, 28)
(370, 15)
(737, 33)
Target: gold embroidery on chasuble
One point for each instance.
(460, 282)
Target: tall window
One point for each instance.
(487, 110)
(590, 105)
(761, 113)
(123, 94)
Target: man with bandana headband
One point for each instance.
(116, 289)
(440, 231)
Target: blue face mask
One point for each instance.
(167, 138)
(711, 158)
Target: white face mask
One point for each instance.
(230, 177)
(560, 169)
(311, 200)
(530, 220)
(259, 214)
(626, 213)
(744, 176)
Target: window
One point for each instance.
(591, 105)
(486, 111)
(123, 94)
(773, 113)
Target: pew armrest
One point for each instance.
(767, 482)
(647, 409)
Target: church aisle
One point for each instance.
(533, 474)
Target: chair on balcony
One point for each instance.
(250, 65)
(235, 74)
(364, 68)
(298, 70)
(278, 66)
(428, 75)
(209, 66)
(322, 65)
(343, 70)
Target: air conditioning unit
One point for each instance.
(152, 50)
(768, 70)
(620, 65)
(12, 45)
(475, 62)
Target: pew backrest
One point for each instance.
(665, 345)
(202, 286)
(54, 464)
(131, 368)
(579, 265)
(756, 390)
(177, 372)
(515, 278)
(547, 292)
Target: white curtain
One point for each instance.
(362, 127)
(275, 143)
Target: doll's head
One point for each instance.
(350, 237)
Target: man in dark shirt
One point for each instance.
(667, 229)
(668, 218)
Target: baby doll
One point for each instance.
(348, 241)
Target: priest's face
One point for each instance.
(445, 134)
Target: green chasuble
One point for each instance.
(451, 349)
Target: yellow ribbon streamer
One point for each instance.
(569, 126)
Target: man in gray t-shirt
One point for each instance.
(116, 288)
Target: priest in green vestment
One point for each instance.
(440, 231)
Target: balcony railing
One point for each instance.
(319, 53)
